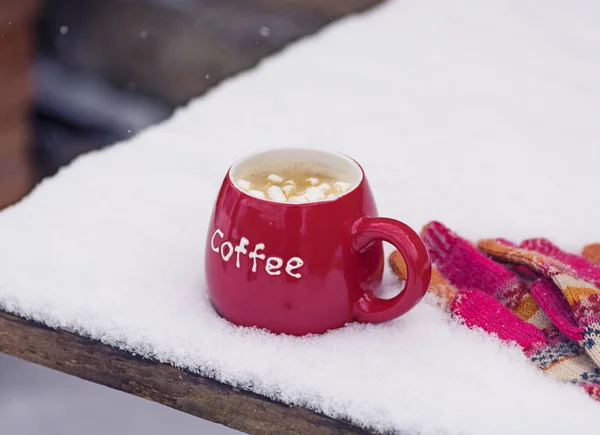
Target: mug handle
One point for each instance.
(366, 230)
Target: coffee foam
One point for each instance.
(330, 175)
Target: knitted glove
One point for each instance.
(444, 291)
(481, 293)
(574, 277)
(592, 253)
(584, 268)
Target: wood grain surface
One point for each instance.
(17, 173)
(162, 383)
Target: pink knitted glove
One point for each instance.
(493, 298)
(584, 268)
(574, 277)
(459, 261)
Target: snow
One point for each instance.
(483, 115)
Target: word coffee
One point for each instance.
(294, 187)
(273, 265)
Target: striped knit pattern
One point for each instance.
(442, 289)
(584, 268)
(484, 294)
(592, 253)
(582, 296)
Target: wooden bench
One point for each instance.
(16, 93)
(162, 383)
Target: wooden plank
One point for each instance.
(16, 52)
(16, 91)
(17, 178)
(13, 137)
(14, 12)
(93, 361)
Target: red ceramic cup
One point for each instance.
(300, 268)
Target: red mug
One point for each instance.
(300, 268)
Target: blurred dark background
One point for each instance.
(78, 75)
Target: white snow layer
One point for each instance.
(484, 115)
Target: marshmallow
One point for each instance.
(276, 194)
(288, 189)
(298, 199)
(257, 193)
(314, 194)
(289, 183)
(331, 196)
(244, 185)
(325, 187)
(340, 186)
(274, 178)
(312, 181)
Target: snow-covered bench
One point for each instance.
(483, 117)
(200, 396)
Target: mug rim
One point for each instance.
(335, 154)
